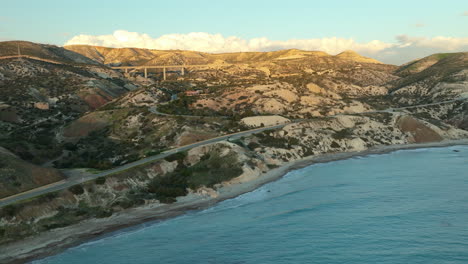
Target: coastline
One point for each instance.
(58, 240)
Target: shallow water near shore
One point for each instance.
(407, 206)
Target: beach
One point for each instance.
(57, 240)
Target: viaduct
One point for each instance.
(164, 67)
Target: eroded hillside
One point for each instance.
(43, 92)
(79, 116)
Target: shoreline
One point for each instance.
(56, 241)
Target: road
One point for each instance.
(431, 104)
(64, 184)
(77, 180)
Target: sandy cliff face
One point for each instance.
(419, 131)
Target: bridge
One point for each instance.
(164, 67)
(127, 68)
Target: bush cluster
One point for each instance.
(211, 169)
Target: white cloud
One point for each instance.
(217, 43)
(465, 13)
(404, 49)
(443, 43)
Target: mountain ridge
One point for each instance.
(140, 56)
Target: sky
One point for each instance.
(394, 31)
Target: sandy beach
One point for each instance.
(58, 240)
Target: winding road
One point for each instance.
(73, 180)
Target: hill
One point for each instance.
(18, 176)
(354, 56)
(433, 78)
(42, 51)
(38, 97)
(136, 56)
(420, 65)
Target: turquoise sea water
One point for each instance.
(404, 207)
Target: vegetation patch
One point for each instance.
(212, 169)
(343, 134)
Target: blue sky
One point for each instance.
(56, 22)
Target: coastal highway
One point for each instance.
(57, 186)
(73, 180)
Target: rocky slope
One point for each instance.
(41, 93)
(295, 88)
(434, 78)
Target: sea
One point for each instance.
(408, 206)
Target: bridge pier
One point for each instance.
(183, 70)
(164, 73)
(126, 70)
(146, 73)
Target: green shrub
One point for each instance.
(253, 145)
(100, 180)
(152, 153)
(211, 169)
(10, 210)
(47, 197)
(344, 133)
(293, 141)
(103, 213)
(168, 187)
(76, 189)
(266, 139)
(176, 156)
(70, 146)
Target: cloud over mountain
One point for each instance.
(405, 47)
